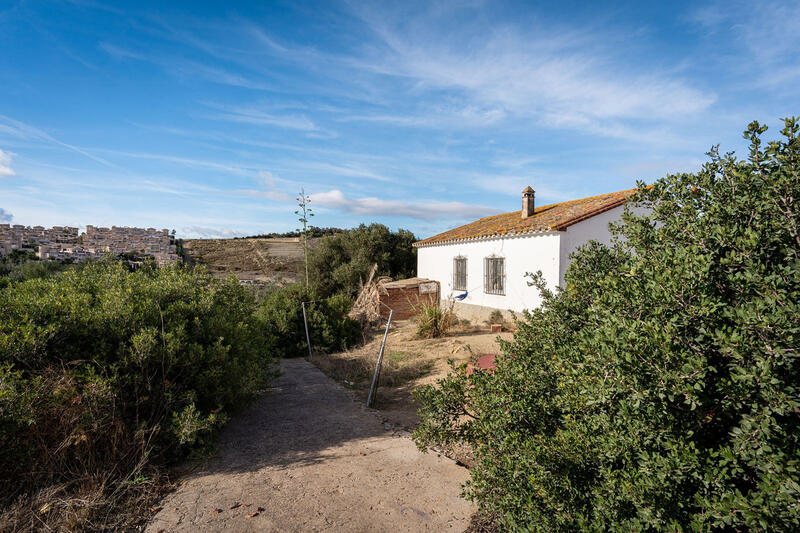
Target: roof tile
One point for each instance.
(553, 217)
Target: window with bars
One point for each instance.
(494, 275)
(460, 273)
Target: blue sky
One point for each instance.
(208, 117)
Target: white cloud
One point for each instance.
(183, 161)
(400, 208)
(24, 131)
(438, 117)
(5, 165)
(272, 191)
(543, 72)
(346, 169)
(254, 115)
(765, 30)
(5, 216)
(210, 233)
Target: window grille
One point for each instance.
(460, 273)
(494, 275)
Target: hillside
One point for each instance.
(273, 259)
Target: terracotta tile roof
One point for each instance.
(553, 217)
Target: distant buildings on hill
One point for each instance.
(64, 242)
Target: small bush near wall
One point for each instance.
(496, 317)
(660, 390)
(106, 372)
(434, 320)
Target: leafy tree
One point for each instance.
(660, 390)
(329, 326)
(338, 263)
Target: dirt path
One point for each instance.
(315, 460)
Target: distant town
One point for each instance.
(67, 243)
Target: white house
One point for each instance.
(488, 258)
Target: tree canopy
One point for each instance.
(339, 262)
(659, 389)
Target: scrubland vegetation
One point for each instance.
(339, 263)
(108, 376)
(20, 265)
(107, 373)
(659, 390)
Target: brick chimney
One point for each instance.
(528, 197)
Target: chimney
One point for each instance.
(528, 197)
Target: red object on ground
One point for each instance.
(485, 362)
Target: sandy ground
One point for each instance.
(394, 398)
(314, 460)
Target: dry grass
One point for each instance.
(89, 503)
(409, 362)
(435, 320)
(259, 259)
(355, 369)
(483, 524)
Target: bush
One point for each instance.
(340, 262)
(496, 317)
(103, 370)
(21, 265)
(434, 321)
(659, 390)
(329, 326)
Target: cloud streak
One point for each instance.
(564, 77)
(260, 117)
(271, 190)
(5, 165)
(769, 38)
(24, 131)
(5, 216)
(427, 211)
(203, 232)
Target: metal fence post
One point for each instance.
(377, 374)
(305, 322)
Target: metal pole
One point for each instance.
(305, 322)
(377, 374)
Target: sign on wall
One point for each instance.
(427, 288)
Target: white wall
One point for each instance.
(594, 228)
(522, 254)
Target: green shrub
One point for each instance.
(103, 369)
(661, 389)
(496, 317)
(21, 265)
(340, 262)
(434, 320)
(329, 326)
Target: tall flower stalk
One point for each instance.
(305, 215)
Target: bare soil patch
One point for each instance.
(277, 260)
(306, 457)
(409, 362)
